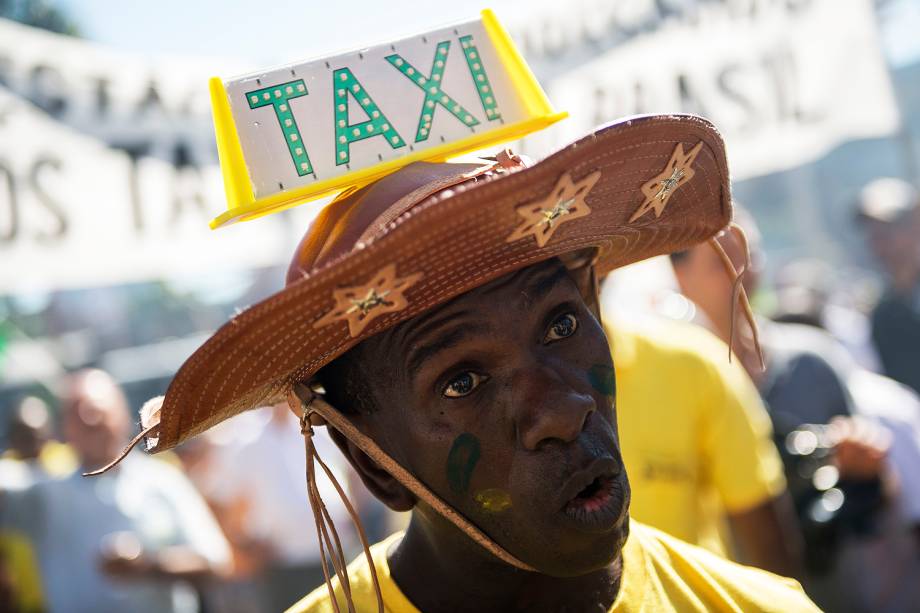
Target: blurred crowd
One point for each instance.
(799, 454)
(222, 525)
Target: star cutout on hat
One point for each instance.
(564, 203)
(361, 304)
(660, 188)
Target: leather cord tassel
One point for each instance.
(124, 452)
(326, 532)
(317, 515)
(739, 296)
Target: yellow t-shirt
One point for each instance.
(22, 572)
(695, 436)
(660, 574)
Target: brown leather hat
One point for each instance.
(377, 256)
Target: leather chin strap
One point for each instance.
(324, 524)
(315, 411)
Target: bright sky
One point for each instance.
(294, 30)
(291, 30)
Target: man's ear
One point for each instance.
(381, 484)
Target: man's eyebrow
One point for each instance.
(546, 283)
(536, 281)
(426, 324)
(540, 284)
(448, 339)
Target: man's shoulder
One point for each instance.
(679, 341)
(691, 358)
(679, 568)
(720, 583)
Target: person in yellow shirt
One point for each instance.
(699, 450)
(20, 580)
(661, 575)
(443, 321)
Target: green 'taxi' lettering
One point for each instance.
(431, 85)
(279, 96)
(462, 459)
(344, 84)
(480, 78)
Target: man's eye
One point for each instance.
(562, 327)
(463, 384)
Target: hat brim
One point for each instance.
(450, 244)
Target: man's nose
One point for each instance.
(547, 408)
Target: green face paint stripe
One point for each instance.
(344, 84)
(431, 85)
(279, 97)
(603, 379)
(462, 459)
(480, 78)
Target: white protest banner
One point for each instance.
(135, 134)
(147, 106)
(75, 212)
(289, 135)
(784, 84)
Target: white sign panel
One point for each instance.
(783, 84)
(316, 121)
(76, 213)
(147, 107)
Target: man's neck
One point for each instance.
(443, 570)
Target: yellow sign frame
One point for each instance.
(242, 205)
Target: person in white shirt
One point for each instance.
(136, 538)
(261, 477)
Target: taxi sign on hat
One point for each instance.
(305, 130)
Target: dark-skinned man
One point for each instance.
(443, 322)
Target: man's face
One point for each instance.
(501, 401)
(703, 279)
(895, 244)
(95, 418)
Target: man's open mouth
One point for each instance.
(593, 496)
(597, 501)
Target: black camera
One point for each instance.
(830, 508)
